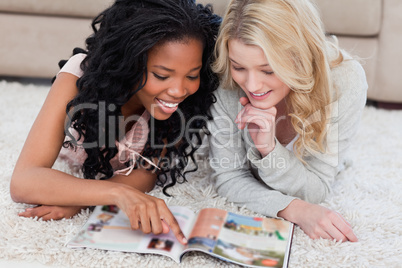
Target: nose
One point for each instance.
(177, 89)
(253, 83)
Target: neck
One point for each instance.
(284, 129)
(132, 107)
(282, 109)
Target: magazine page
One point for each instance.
(251, 241)
(109, 228)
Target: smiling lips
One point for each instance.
(168, 107)
(168, 104)
(259, 95)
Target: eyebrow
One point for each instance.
(171, 70)
(262, 65)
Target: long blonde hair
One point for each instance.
(292, 37)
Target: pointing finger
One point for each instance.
(174, 226)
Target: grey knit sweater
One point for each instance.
(267, 185)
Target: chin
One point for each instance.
(263, 105)
(161, 117)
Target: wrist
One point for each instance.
(267, 149)
(293, 210)
(116, 192)
(266, 152)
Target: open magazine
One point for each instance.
(249, 241)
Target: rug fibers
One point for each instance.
(367, 194)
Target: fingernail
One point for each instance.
(28, 209)
(184, 240)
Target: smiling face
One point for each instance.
(173, 75)
(251, 71)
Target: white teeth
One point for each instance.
(258, 95)
(170, 105)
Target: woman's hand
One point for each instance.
(318, 222)
(51, 212)
(148, 213)
(261, 125)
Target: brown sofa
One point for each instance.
(37, 33)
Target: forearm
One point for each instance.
(45, 186)
(283, 171)
(139, 179)
(246, 191)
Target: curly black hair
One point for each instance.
(115, 69)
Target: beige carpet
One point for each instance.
(368, 194)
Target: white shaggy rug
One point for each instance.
(368, 194)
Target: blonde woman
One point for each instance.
(287, 110)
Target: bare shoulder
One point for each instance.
(65, 86)
(46, 136)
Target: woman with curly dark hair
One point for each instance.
(136, 99)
